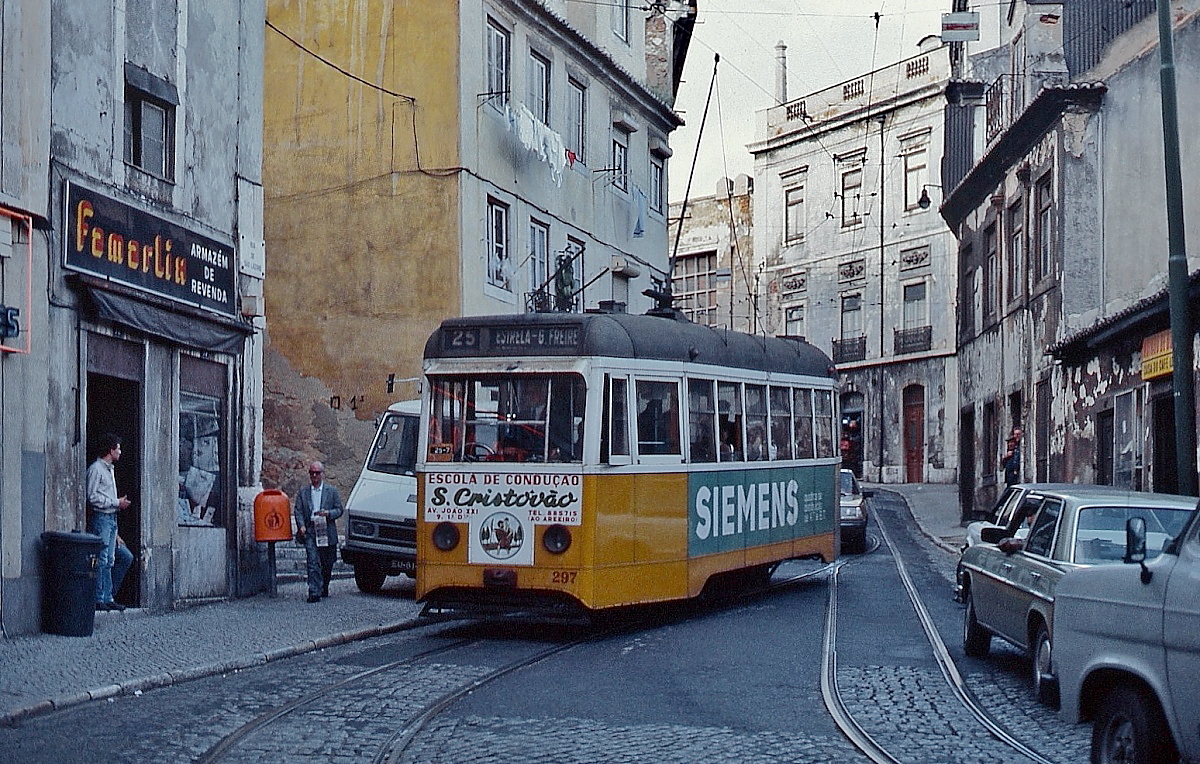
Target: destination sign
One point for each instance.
(518, 340)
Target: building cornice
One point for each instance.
(1143, 317)
(1015, 143)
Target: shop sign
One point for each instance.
(10, 322)
(1157, 355)
(962, 26)
(120, 243)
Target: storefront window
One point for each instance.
(200, 500)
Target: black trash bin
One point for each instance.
(69, 582)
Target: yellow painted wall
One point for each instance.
(362, 244)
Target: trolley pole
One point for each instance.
(1181, 322)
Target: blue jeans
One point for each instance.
(122, 562)
(104, 525)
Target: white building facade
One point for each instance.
(856, 259)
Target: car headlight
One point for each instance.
(363, 528)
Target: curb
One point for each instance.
(178, 676)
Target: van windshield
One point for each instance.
(395, 449)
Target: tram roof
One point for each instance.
(623, 335)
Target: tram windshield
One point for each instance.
(507, 418)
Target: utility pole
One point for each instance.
(882, 281)
(1177, 274)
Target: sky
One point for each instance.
(828, 42)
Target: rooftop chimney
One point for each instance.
(780, 73)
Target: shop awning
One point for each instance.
(178, 324)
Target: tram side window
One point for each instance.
(804, 423)
(823, 422)
(658, 417)
(614, 435)
(756, 423)
(702, 412)
(781, 423)
(729, 421)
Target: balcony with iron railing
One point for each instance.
(850, 349)
(915, 340)
(1004, 102)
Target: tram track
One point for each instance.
(398, 743)
(392, 750)
(856, 732)
(228, 743)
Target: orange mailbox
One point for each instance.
(272, 516)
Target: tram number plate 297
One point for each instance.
(563, 576)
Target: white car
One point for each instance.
(853, 514)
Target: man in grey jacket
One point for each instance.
(316, 510)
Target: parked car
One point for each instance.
(1009, 584)
(1127, 649)
(853, 513)
(1002, 514)
(1006, 508)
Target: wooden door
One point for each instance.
(914, 433)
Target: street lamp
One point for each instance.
(925, 202)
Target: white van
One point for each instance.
(381, 535)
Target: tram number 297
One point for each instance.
(564, 576)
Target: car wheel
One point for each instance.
(1044, 688)
(369, 579)
(977, 641)
(1130, 729)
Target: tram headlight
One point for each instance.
(445, 536)
(556, 539)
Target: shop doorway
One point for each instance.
(966, 463)
(1162, 412)
(114, 405)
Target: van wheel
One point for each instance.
(1130, 729)
(977, 641)
(370, 580)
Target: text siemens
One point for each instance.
(727, 510)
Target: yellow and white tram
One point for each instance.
(604, 459)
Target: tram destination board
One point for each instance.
(511, 340)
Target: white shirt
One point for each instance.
(316, 498)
